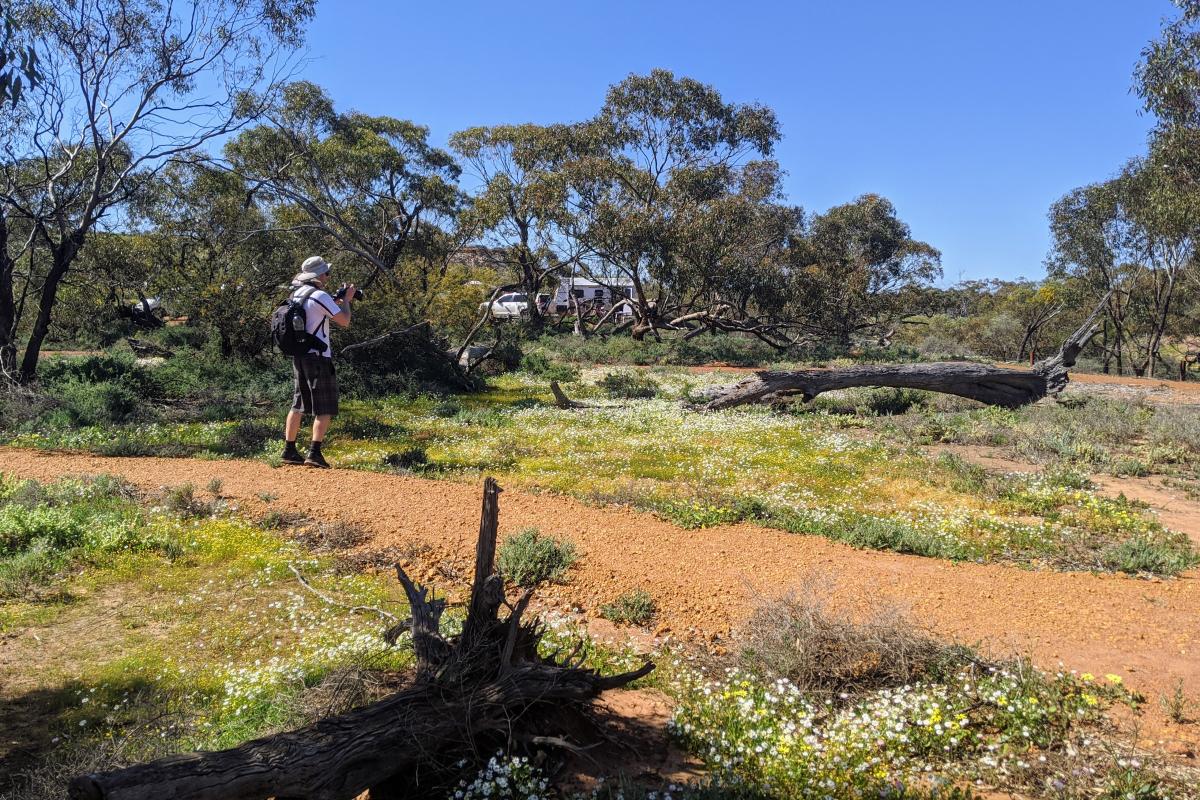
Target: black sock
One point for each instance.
(316, 447)
(289, 445)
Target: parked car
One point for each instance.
(513, 305)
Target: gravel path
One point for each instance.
(706, 581)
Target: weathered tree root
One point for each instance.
(562, 401)
(477, 686)
(995, 386)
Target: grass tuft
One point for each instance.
(636, 607)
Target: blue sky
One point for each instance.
(971, 117)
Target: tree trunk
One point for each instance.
(1009, 388)
(61, 258)
(8, 308)
(478, 688)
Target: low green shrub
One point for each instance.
(182, 501)
(885, 402)
(629, 385)
(1176, 432)
(248, 437)
(1157, 555)
(112, 367)
(81, 404)
(412, 458)
(528, 558)
(21, 526)
(773, 739)
(709, 511)
(446, 408)
(358, 426)
(538, 364)
(636, 607)
(22, 573)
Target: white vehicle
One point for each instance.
(513, 305)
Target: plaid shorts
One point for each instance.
(316, 389)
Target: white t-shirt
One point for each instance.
(318, 308)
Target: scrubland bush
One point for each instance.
(722, 348)
(869, 402)
(798, 638)
(183, 501)
(629, 385)
(411, 459)
(331, 535)
(538, 364)
(636, 607)
(528, 558)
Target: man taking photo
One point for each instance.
(316, 390)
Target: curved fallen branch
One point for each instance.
(478, 687)
(996, 386)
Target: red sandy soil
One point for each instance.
(706, 582)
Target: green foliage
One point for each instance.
(94, 390)
(84, 404)
(870, 402)
(1177, 705)
(528, 558)
(538, 364)
(721, 348)
(248, 437)
(412, 459)
(705, 512)
(628, 385)
(857, 266)
(182, 501)
(636, 607)
(44, 529)
(776, 738)
(107, 368)
(1155, 555)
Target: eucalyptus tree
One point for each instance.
(856, 268)
(728, 264)
(372, 185)
(1134, 240)
(18, 61)
(127, 86)
(520, 209)
(1168, 76)
(660, 151)
(211, 264)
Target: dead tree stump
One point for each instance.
(487, 684)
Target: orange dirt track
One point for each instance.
(706, 581)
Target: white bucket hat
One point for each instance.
(312, 268)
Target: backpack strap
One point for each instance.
(308, 296)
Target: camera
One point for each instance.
(340, 293)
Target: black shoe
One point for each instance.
(292, 456)
(315, 459)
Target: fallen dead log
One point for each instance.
(483, 687)
(995, 386)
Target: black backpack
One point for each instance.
(289, 326)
